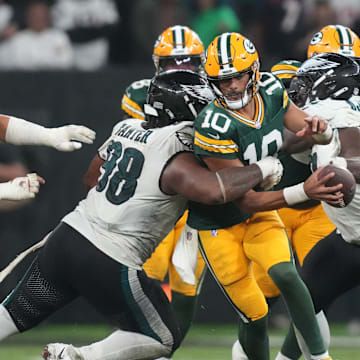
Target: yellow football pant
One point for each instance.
(229, 252)
(160, 262)
(305, 228)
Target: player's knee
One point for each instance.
(284, 275)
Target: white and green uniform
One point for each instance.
(127, 215)
(223, 133)
(346, 220)
(134, 98)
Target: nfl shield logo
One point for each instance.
(214, 233)
(189, 235)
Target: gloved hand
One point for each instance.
(21, 188)
(69, 138)
(272, 171)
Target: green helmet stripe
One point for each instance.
(178, 33)
(344, 36)
(340, 37)
(224, 50)
(219, 52)
(228, 50)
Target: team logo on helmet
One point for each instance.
(249, 46)
(319, 64)
(316, 38)
(201, 92)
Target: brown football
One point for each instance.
(342, 176)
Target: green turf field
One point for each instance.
(202, 342)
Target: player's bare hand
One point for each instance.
(318, 128)
(70, 137)
(316, 188)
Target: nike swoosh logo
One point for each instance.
(216, 137)
(60, 356)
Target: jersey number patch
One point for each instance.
(122, 180)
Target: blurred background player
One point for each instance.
(334, 39)
(177, 47)
(243, 124)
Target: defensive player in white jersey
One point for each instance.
(177, 47)
(329, 84)
(98, 249)
(21, 132)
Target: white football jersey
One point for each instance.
(346, 220)
(127, 215)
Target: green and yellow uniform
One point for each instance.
(230, 238)
(134, 98)
(306, 223)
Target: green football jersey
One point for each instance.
(227, 134)
(134, 98)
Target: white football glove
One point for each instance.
(322, 155)
(272, 171)
(69, 137)
(20, 188)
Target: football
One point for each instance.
(342, 176)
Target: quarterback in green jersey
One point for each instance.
(242, 125)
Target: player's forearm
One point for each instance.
(22, 132)
(272, 200)
(237, 181)
(223, 186)
(262, 201)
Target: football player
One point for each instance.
(336, 39)
(22, 132)
(177, 47)
(332, 89)
(306, 223)
(147, 173)
(244, 124)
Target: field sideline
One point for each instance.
(204, 342)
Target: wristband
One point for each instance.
(325, 136)
(295, 194)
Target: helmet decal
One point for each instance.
(316, 38)
(319, 63)
(201, 92)
(249, 46)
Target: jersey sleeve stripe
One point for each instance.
(132, 108)
(216, 148)
(212, 141)
(285, 99)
